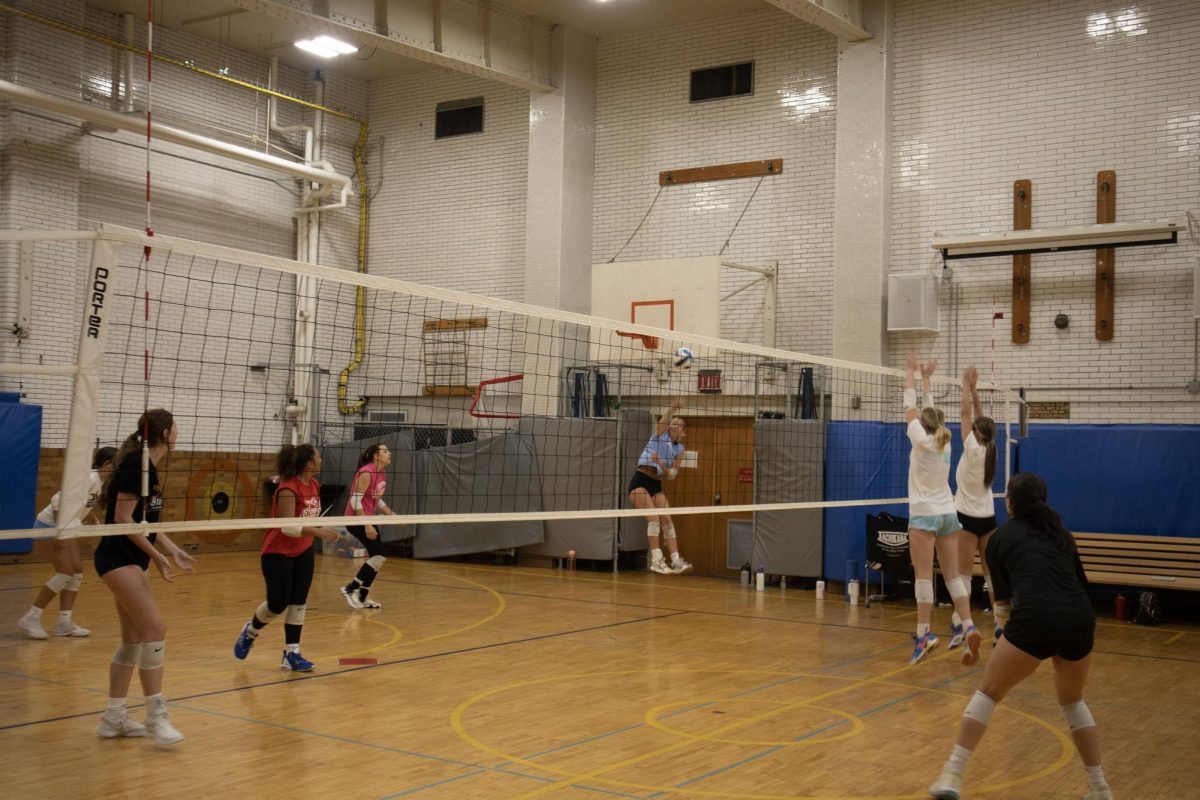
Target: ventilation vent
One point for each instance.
(459, 117)
(727, 81)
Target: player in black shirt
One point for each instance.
(1035, 567)
(121, 562)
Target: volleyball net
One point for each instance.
(511, 418)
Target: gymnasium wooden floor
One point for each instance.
(506, 682)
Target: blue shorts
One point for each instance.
(940, 524)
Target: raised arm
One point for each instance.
(665, 420)
(968, 393)
(976, 404)
(910, 387)
(927, 370)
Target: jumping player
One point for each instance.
(660, 459)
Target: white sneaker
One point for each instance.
(69, 629)
(32, 627)
(158, 724)
(122, 726)
(351, 598)
(659, 565)
(679, 566)
(947, 787)
(366, 602)
(1100, 793)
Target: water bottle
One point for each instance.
(746, 574)
(570, 561)
(760, 580)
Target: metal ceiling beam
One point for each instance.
(842, 18)
(317, 24)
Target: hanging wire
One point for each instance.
(739, 219)
(661, 186)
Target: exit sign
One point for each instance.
(709, 380)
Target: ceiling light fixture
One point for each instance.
(326, 47)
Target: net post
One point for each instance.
(100, 292)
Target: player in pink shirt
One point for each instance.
(366, 500)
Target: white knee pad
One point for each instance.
(264, 612)
(152, 655)
(652, 528)
(980, 708)
(958, 586)
(127, 654)
(924, 591)
(295, 615)
(1078, 716)
(376, 562)
(59, 582)
(76, 582)
(669, 532)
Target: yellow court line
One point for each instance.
(556, 575)
(575, 778)
(1176, 637)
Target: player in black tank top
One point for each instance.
(1035, 566)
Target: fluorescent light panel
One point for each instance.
(326, 47)
(1051, 240)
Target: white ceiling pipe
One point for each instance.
(136, 123)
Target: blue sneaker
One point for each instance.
(241, 648)
(295, 662)
(971, 653)
(924, 646)
(956, 636)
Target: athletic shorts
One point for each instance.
(1069, 639)
(374, 546)
(105, 563)
(641, 480)
(940, 524)
(37, 523)
(980, 526)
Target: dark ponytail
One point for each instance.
(985, 433)
(293, 458)
(1027, 495)
(153, 427)
(368, 455)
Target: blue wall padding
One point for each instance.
(870, 459)
(20, 441)
(1137, 479)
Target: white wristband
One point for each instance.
(672, 472)
(927, 401)
(910, 399)
(292, 530)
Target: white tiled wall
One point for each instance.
(57, 175)
(989, 93)
(645, 124)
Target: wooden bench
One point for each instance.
(1165, 562)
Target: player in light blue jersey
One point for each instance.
(660, 461)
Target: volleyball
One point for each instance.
(683, 358)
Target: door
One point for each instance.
(722, 475)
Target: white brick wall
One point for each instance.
(989, 93)
(646, 124)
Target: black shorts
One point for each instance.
(641, 480)
(1069, 639)
(374, 546)
(107, 563)
(287, 578)
(980, 526)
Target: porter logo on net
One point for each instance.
(99, 292)
(893, 543)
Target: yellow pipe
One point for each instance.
(359, 149)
